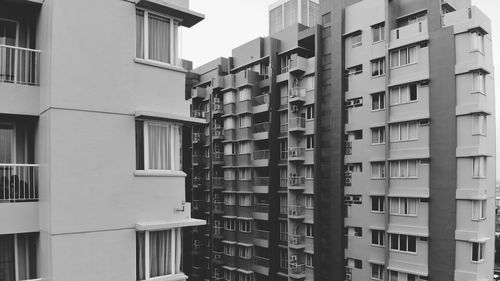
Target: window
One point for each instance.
(353, 263)
(477, 41)
(158, 146)
(377, 271)
(404, 206)
(229, 175)
(228, 97)
(245, 174)
(244, 94)
(245, 200)
(309, 81)
(355, 135)
(378, 204)
(400, 276)
(479, 82)
(378, 170)
(310, 142)
(378, 135)
(404, 169)
(229, 123)
(245, 225)
(229, 149)
(245, 121)
(356, 40)
(244, 147)
(309, 171)
(229, 249)
(230, 199)
(7, 143)
(478, 209)
(404, 94)
(160, 251)
(404, 243)
(354, 167)
(479, 167)
(309, 260)
(245, 252)
(309, 201)
(230, 224)
(309, 230)
(411, 19)
(479, 124)
(404, 131)
(355, 70)
(378, 101)
(378, 67)
(477, 251)
(18, 256)
(310, 112)
(378, 33)
(358, 231)
(404, 56)
(356, 102)
(156, 38)
(378, 237)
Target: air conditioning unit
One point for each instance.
(349, 103)
(294, 241)
(358, 101)
(293, 258)
(348, 276)
(295, 108)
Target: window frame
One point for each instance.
(381, 100)
(379, 274)
(245, 225)
(407, 55)
(399, 243)
(480, 252)
(309, 142)
(477, 41)
(479, 82)
(401, 167)
(244, 252)
(482, 167)
(379, 134)
(174, 41)
(401, 94)
(479, 124)
(354, 42)
(380, 204)
(403, 204)
(381, 170)
(380, 67)
(377, 238)
(309, 260)
(478, 210)
(380, 30)
(309, 230)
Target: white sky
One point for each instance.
(230, 23)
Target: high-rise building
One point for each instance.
(285, 13)
(92, 113)
(253, 160)
(401, 142)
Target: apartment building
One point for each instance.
(405, 163)
(253, 173)
(92, 115)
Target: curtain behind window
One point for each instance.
(159, 38)
(160, 251)
(140, 255)
(159, 143)
(139, 25)
(6, 135)
(7, 263)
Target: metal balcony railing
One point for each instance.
(296, 152)
(296, 239)
(217, 181)
(19, 65)
(218, 230)
(297, 123)
(261, 261)
(18, 182)
(261, 128)
(296, 210)
(261, 154)
(297, 269)
(218, 132)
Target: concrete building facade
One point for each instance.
(92, 114)
(399, 158)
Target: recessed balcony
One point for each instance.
(218, 207)
(297, 124)
(218, 232)
(261, 103)
(297, 271)
(297, 183)
(218, 133)
(296, 154)
(298, 64)
(297, 96)
(296, 212)
(261, 130)
(296, 241)
(18, 183)
(198, 93)
(218, 108)
(218, 158)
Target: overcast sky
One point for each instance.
(230, 23)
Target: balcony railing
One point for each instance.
(261, 234)
(261, 181)
(261, 208)
(260, 100)
(218, 181)
(297, 123)
(196, 137)
(218, 132)
(283, 210)
(297, 269)
(261, 154)
(297, 94)
(18, 182)
(296, 210)
(19, 65)
(297, 181)
(296, 239)
(218, 156)
(218, 230)
(261, 128)
(296, 152)
(218, 108)
(283, 236)
(284, 183)
(197, 113)
(219, 207)
(261, 261)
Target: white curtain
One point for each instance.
(139, 25)
(159, 253)
(159, 142)
(140, 256)
(159, 38)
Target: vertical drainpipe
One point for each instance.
(211, 170)
(387, 139)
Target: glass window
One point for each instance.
(477, 251)
(478, 209)
(377, 271)
(162, 256)
(378, 67)
(477, 41)
(309, 230)
(378, 170)
(158, 146)
(403, 56)
(479, 167)
(245, 225)
(378, 33)
(404, 206)
(403, 243)
(244, 94)
(479, 124)
(478, 82)
(228, 97)
(378, 135)
(245, 252)
(356, 40)
(245, 121)
(378, 101)
(378, 204)
(378, 237)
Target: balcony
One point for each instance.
(261, 130)
(218, 182)
(261, 211)
(297, 271)
(412, 33)
(298, 64)
(196, 137)
(261, 181)
(296, 153)
(296, 212)
(218, 232)
(19, 65)
(198, 160)
(218, 207)
(218, 108)
(261, 103)
(218, 82)
(261, 265)
(18, 183)
(197, 113)
(198, 182)
(218, 133)
(218, 158)
(467, 19)
(297, 96)
(297, 183)
(283, 184)
(283, 211)
(297, 124)
(296, 241)
(348, 178)
(261, 158)
(261, 238)
(217, 257)
(246, 78)
(198, 93)
(348, 148)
